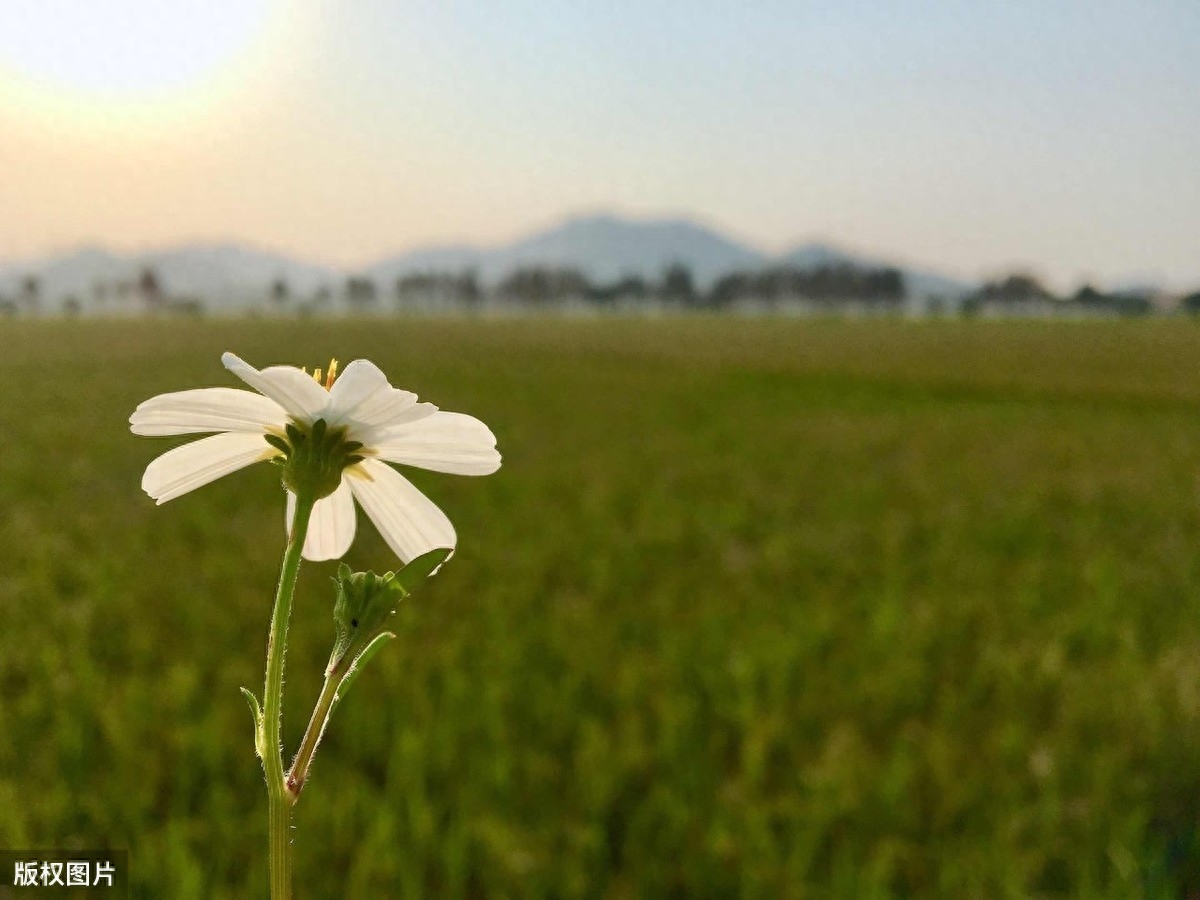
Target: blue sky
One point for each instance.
(975, 137)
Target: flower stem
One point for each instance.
(298, 774)
(279, 799)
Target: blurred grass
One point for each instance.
(807, 609)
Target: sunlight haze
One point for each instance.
(969, 137)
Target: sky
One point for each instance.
(971, 137)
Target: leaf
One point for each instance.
(417, 570)
(363, 658)
(257, 714)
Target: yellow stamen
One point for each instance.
(327, 381)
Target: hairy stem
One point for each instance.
(279, 799)
(315, 731)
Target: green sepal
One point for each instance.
(366, 601)
(257, 714)
(314, 456)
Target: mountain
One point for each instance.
(236, 277)
(235, 273)
(606, 248)
(69, 274)
(226, 276)
(442, 258)
(603, 247)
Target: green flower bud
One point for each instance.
(366, 601)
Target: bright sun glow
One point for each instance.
(125, 49)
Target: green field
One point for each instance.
(809, 609)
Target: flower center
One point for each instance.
(314, 456)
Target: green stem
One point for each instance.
(279, 799)
(298, 774)
(339, 675)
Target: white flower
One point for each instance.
(358, 407)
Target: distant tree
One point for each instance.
(1190, 303)
(1128, 304)
(360, 293)
(470, 294)
(1132, 304)
(678, 286)
(1019, 287)
(539, 286)
(413, 290)
(628, 287)
(31, 294)
(1089, 296)
(192, 307)
(150, 290)
(71, 306)
(529, 285)
(280, 293)
(632, 286)
(884, 284)
(730, 288)
(829, 285)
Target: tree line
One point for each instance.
(829, 287)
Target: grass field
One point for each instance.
(802, 609)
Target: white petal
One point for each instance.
(406, 518)
(331, 526)
(207, 409)
(443, 442)
(296, 392)
(193, 465)
(362, 398)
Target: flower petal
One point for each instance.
(443, 442)
(188, 467)
(296, 392)
(407, 519)
(331, 527)
(207, 409)
(362, 398)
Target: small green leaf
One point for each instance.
(421, 568)
(357, 666)
(257, 714)
(255, 708)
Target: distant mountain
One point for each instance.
(444, 258)
(232, 277)
(226, 276)
(810, 256)
(605, 248)
(69, 274)
(235, 272)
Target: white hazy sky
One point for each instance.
(972, 136)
